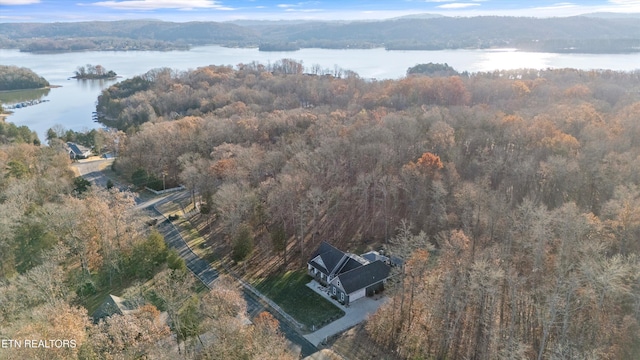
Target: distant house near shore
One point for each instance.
(78, 151)
(348, 276)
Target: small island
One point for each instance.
(282, 46)
(90, 72)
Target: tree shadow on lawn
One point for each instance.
(290, 292)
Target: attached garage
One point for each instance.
(357, 295)
(360, 282)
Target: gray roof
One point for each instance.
(330, 257)
(364, 276)
(349, 265)
(112, 305)
(369, 256)
(77, 149)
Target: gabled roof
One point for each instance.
(349, 265)
(330, 257)
(77, 149)
(364, 276)
(112, 305)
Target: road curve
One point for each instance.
(198, 266)
(90, 170)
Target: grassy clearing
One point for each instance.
(290, 292)
(105, 165)
(196, 242)
(169, 208)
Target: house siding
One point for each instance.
(336, 292)
(339, 294)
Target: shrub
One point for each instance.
(175, 262)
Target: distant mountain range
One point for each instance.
(609, 15)
(590, 33)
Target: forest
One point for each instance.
(591, 33)
(65, 245)
(19, 78)
(44, 45)
(513, 196)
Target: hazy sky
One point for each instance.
(224, 10)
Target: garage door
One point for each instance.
(356, 295)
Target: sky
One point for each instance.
(228, 10)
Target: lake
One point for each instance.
(72, 104)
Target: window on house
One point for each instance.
(334, 290)
(342, 296)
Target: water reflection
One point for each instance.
(18, 96)
(95, 84)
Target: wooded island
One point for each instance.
(91, 72)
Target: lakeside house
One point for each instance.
(78, 151)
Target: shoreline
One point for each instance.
(42, 88)
(387, 47)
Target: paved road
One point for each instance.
(203, 270)
(198, 266)
(90, 170)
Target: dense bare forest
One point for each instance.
(512, 195)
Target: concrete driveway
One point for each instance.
(91, 169)
(357, 312)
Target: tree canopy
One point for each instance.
(19, 78)
(517, 186)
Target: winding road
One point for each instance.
(91, 171)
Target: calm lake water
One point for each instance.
(72, 104)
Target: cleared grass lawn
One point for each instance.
(290, 292)
(196, 242)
